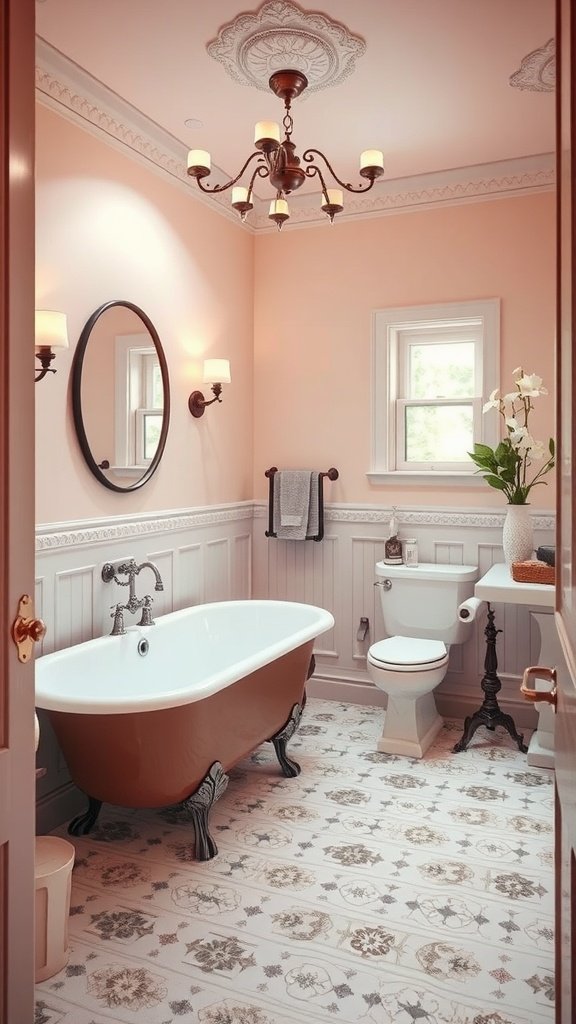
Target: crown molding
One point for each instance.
(68, 89)
(478, 183)
(65, 87)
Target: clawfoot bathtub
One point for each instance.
(158, 716)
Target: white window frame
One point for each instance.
(133, 399)
(389, 368)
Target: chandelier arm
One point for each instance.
(311, 171)
(261, 171)
(222, 188)
(308, 156)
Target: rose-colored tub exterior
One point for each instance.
(155, 758)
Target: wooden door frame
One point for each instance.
(17, 780)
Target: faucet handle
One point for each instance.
(118, 627)
(146, 619)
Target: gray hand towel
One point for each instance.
(313, 518)
(291, 503)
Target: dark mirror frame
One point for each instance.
(77, 397)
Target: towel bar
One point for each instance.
(332, 474)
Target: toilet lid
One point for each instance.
(408, 650)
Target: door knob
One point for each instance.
(26, 630)
(530, 693)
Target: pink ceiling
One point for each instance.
(431, 90)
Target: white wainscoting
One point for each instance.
(338, 573)
(222, 553)
(202, 554)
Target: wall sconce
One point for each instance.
(50, 332)
(216, 372)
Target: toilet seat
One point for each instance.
(408, 654)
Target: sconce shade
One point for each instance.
(216, 371)
(50, 329)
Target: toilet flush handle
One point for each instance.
(385, 584)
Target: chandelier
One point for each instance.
(278, 161)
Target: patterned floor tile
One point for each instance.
(372, 888)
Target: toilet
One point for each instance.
(420, 608)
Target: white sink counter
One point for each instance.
(497, 585)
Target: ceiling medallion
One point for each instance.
(537, 71)
(279, 35)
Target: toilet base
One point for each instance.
(410, 725)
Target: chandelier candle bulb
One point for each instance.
(373, 160)
(279, 211)
(239, 195)
(266, 131)
(199, 158)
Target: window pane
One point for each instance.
(152, 425)
(157, 387)
(441, 370)
(438, 433)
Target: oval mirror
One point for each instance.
(120, 396)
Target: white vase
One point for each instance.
(518, 534)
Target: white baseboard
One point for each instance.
(450, 705)
(59, 806)
(347, 690)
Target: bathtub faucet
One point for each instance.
(131, 569)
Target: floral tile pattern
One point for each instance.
(372, 888)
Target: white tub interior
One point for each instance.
(192, 654)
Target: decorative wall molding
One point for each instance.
(282, 35)
(93, 531)
(537, 71)
(73, 93)
(471, 519)
(428, 191)
(222, 553)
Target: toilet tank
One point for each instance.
(422, 600)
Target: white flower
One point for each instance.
(530, 386)
(493, 402)
(510, 398)
(512, 423)
(518, 372)
(525, 442)
(517, 437)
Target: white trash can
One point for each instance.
(54, 860)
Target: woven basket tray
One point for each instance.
(533, 572)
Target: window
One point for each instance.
(433, 368)
(139, 401)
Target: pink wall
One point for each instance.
(315, 290)
(295, 323)
(109, 227)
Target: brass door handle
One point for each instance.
(543, 672)
(26, 630)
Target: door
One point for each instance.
(566, 585)
(17, 790)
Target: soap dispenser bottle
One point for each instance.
(393, 546)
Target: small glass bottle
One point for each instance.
(410, 551)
